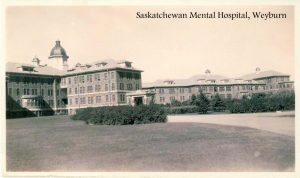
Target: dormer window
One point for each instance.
(125, 64)
(201, 80)
(169, 82)
(210, 81)
(27, 68)
(101, 64)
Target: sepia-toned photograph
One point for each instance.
(204, 88)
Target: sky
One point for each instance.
(162, 48)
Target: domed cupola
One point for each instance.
(58, 51)
(58, 57)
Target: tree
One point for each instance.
(193, 100)
(217, 103)
(202, 102)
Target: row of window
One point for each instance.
(98, 76)
(207, 89)
(182, 98)
(96, 99)
(31, 80)
(97, 88)
(33, 91)
(39, 103)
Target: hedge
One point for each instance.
(182, 109)
(122, 115)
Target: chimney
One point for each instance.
(257, 70)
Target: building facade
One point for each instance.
(56, 88)
(209, 84)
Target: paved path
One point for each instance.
(278, 122)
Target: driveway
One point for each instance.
(278, 122)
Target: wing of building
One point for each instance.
(54, 87)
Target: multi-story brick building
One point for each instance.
(210, 84)
(36, 89)
(33, 90)
(103, 83)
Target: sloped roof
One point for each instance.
(186, 82)
(109, 64)
(37, 70)
(262, 74)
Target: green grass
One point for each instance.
(60, 144)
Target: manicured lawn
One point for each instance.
(60, 144)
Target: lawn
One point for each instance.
(60, 144)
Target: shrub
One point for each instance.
(122, 115)
(262, 102)
(182, 110)
(217, 103)
(202, 102)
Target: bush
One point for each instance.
(262, 102)
(202, 103)
(182, 110)
(122, 115)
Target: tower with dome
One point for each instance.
(58, 57)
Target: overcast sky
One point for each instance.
(163, 48)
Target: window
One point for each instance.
(107, 98)
(228, 88)
(82, 90)
(171, 90)
(161, 90)
(106, 87)
(172, 98)
(97, 77)
(129, 86)
(122, 97)
(50, 92)
(190, 90)
(82, 100)
(75, 79)
(70, 101)
(112, 74)
(98, 99)
(89, 89)
(10, 91)
(89, 78)
(105, 75)
(181, 98)
(76, 90)
(221, 89)
(256, 88)
(97, 88)
(113, 97)
(129, 76)
(70, 91)
(18, 91)
(76, 100)
(113, 86)
(137, 86)
(69, 79)
(162, 99)
(90, 100)
(181, 90)
(121, 86)
(42, 92)
(81, 79)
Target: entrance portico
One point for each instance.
(139, 97)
